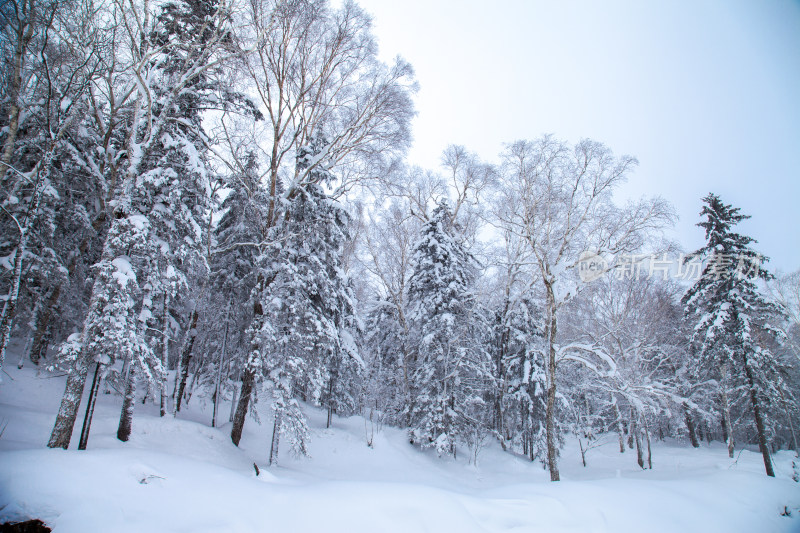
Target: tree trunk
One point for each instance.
(186, 357)
(791, 425)
(583, 451)
(552, 446)
(620, 429)
(248, 380)
(639, 452)
(334, 375)
(40, 335)
(649, 449)
(727, 427)
(219, 369)
(187, 395)
(631, 430)
(762, 433)
(724, 427)
(523, 413)
(70, 401)
(502, 350)
(687, 416)
(25, 229)
(27, 348)
(23, 36)
(234, 402)
(276, 435)
(164, 355)
(126, 416)
(87, 419)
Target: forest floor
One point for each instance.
(182, 475)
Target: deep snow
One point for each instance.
(182, 475)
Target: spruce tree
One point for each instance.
(449, 369)
(301, 336)
(160, 193)
(732, 320)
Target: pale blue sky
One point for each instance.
(706, 94)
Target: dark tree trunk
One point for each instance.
(126, 416)
(248, 380)
(690, 426)
(639, 452)
(276, 436)
(41, 337)
(727, 427)
(164, 356)
(631, 431)
(523, 412)
(620, 428)
(724, 427)
(87, 419)
(583, 451)
(222, 354)
(502, 350)
(186, 357)
(331, 386)
(762, 433)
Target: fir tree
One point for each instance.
(238, 239)
(518, 376)
(449, 371)
(302, 339)
(732, 319)
(160, 159)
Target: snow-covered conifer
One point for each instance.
(733, 321)
(448, 375)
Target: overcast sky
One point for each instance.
(706, 94)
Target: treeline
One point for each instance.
(215, 191)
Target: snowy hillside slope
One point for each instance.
(182, 475)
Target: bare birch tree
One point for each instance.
(558, 198)
(316, 74)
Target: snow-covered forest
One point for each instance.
(207, 215)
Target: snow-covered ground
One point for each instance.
(182, 475)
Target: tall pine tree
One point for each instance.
(302, 338)
(731, 319)
(448, 373)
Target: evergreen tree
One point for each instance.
(518, 376)
(384, 340)
(173, 187)
(302, 339)
(239, 238)
(449, 373)
(732, 319)
(160, 158)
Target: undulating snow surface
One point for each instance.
(182, 475)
